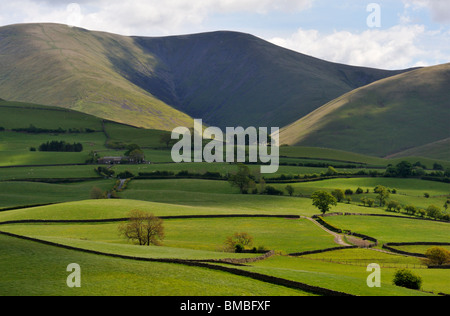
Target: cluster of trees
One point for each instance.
(37, 130)
(406, 169)
(61, 146)
(324, 200)
(432, 211)
(246, 182)
(135, 154)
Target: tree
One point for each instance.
(331, 171)
(383, 194)
(447, 203)
(339, 195)
(434, 212)
(136, 156)
(270, 190)
(239, 241)
(97, 194)
(359, 191)
(370, 202)
(131, 148)
(410, 209)
(392, 205)
(407, 279)
(323, 201)
(404, 169)
(143, 228)
(290, 190)
(364, 200)
(241, 179)
(437, 256)
(166, 139)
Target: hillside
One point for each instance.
(436, 150)
(70, 67)
(387, 117)
(234, 79)
(152, 82)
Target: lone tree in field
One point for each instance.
(239, 241)
(143, 228)
(166, 139)
(97, 194)
(242, 179)
(339, 195)
(290, 190)
(437, 256)
(383, 194)
(323, 201)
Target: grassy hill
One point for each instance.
(60, 124)
(73, 68)
(387, 117)
(438, 150)
(142, 81)
(216, 75)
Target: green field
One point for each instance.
(61, 184)
(39, 270)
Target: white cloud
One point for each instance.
(395, 48)
(440, 9)
(138, 17)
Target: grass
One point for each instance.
(31, 269)
(48, 172)
(406, 230)
(12, 193)
(79, 72)
(409, 191)
(16, 148)
(419, 249)
(204, 236)
(387, 107)
(22, 115)
(348, 278)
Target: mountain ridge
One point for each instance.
(225, 78)
(382, 119)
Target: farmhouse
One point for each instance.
(121, 160)
(111, 160)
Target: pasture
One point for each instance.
(210, 210)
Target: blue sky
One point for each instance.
(412, 32)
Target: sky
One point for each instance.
(387, 34)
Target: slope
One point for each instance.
(71, 67)
(436, 150)
(226, 78)
(236, 79)
(381, 119)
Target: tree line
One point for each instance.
(60, 146)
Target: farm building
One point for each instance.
(120, 160)
(111, 160)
